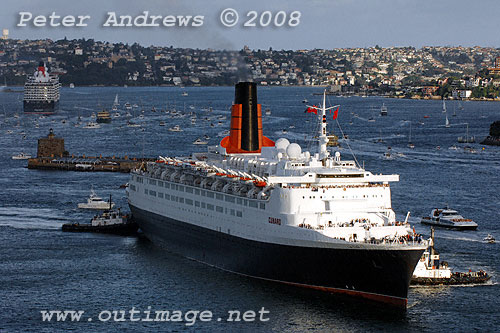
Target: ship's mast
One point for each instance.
(323, 140)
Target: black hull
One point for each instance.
(43, 107)
(381, 275)
(127, 229)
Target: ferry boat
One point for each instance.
(383, 110)
(431, 271)
(448, 218)
(95, 202)
(41, 92)
(267, 210)
(103, 117)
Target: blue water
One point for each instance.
(42, 268)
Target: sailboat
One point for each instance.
(466, 138)
(446, 122)
(116, 103)
(444, 106)
(410, 144)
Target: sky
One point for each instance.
(323, 24)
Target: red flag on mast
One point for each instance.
(336, 113)
(311, 110)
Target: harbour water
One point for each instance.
(42, 268)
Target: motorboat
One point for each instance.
(448, 218)
(199, 141)
(95, 202)
(92, 125)
(21, 156)
(128, 106)
(176, 128)
(132, 124)
(489, 239)
(388, 155)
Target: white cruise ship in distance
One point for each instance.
(41, 91)
(271, 211)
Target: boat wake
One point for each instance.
(31, 218)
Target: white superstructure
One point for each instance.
(282, 195)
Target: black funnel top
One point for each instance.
(246, 95)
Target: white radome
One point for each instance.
(293, 151)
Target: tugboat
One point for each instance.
(448, 218)
(110, 222)
(430, 271)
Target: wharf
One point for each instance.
(83, 163)
(51, 155)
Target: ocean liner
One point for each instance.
(268, 210)
(41, 91)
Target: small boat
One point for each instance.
(71, 85)
(92, 125)
(117, 115)
(387, 155)
(448, 218)
(128, 106)
(431, 271)
(383, 110)
(199, 141)
(184, 93)
(444, 106)
(162, 123)
(305, 101)
(21, 156)
(268, 111)
(446, 122)
(116, 103)
(114, 108)
(223, 133)
(176, 128)
(95, 202)
(489, 239)
(132, 124)
(109, 222)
